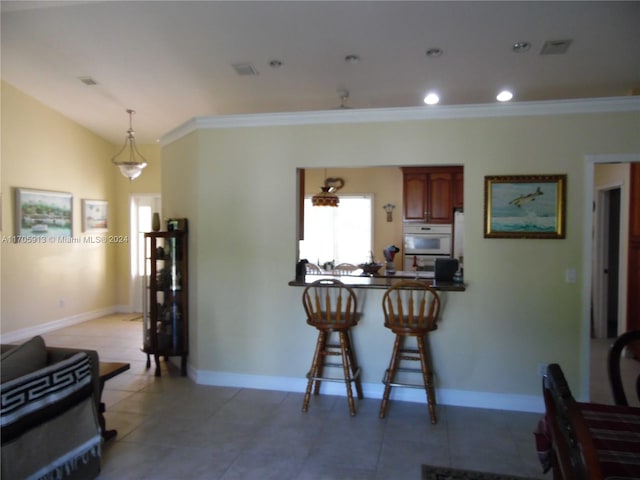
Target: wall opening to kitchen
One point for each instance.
(342, 234)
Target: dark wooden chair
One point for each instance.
(332, 308)
(411, 309)
(575, 455)
(613, 366)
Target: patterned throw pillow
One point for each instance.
(31, 399)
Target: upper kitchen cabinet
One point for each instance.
(431, 193)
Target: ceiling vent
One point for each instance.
(244, 69)
(555, 47)
(88, 81)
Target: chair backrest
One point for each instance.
(575, 452)
(344, 269)
(330, 304)
(411, 307)
(613, 366)
(312, 269)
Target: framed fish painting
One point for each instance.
(525, 206)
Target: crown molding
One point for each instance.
(376, 115)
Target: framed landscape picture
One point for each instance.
(525, 206)
(94, 215)
(43, 213)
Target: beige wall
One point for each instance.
(44, 285)
(237, 188)
(239, 194)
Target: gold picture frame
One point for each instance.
(525, 206)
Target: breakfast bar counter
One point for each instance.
(380, 281)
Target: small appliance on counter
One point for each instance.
(446, 269)
(389, 253)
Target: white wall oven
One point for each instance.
(423, 244)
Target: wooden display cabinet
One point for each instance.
(166, 294)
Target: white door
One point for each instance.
(143, 206)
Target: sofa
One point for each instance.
(49, 412)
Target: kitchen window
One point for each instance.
(340, 235)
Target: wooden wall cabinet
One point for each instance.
(165, 315)
(431, 193)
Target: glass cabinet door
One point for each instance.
(165, 302)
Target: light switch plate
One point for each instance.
(570, 275)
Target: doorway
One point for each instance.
(608, 178)
(606, 270)
(143, 206)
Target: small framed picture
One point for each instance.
(43, 213)
(525, 206)
(95, 215)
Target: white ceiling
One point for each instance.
(172, 60)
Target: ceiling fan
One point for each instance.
(343, 94)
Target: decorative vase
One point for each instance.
(155, 222)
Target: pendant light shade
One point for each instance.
(129, 160)
(327, 197)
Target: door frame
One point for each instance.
(135, 281)
(600, 292)
(587, 260)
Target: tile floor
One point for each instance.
(170, 428)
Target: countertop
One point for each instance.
(383, 281)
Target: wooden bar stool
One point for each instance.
(410, 309)
(332, 307)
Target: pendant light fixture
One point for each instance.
(131, 161)
(327, 197)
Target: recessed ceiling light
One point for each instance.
(434, 52)
(275, 64)
(504, 96)
(352, 58)
(432, 98)
(520, 47)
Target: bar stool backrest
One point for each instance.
(344, 269)
(312, 269)
(411, 307)
(330, 304)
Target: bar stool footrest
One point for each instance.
(385, 379)
(353, 378)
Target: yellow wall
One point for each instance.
(517, 311)
(56, 282)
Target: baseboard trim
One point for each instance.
(460, 398)
(29, 332)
